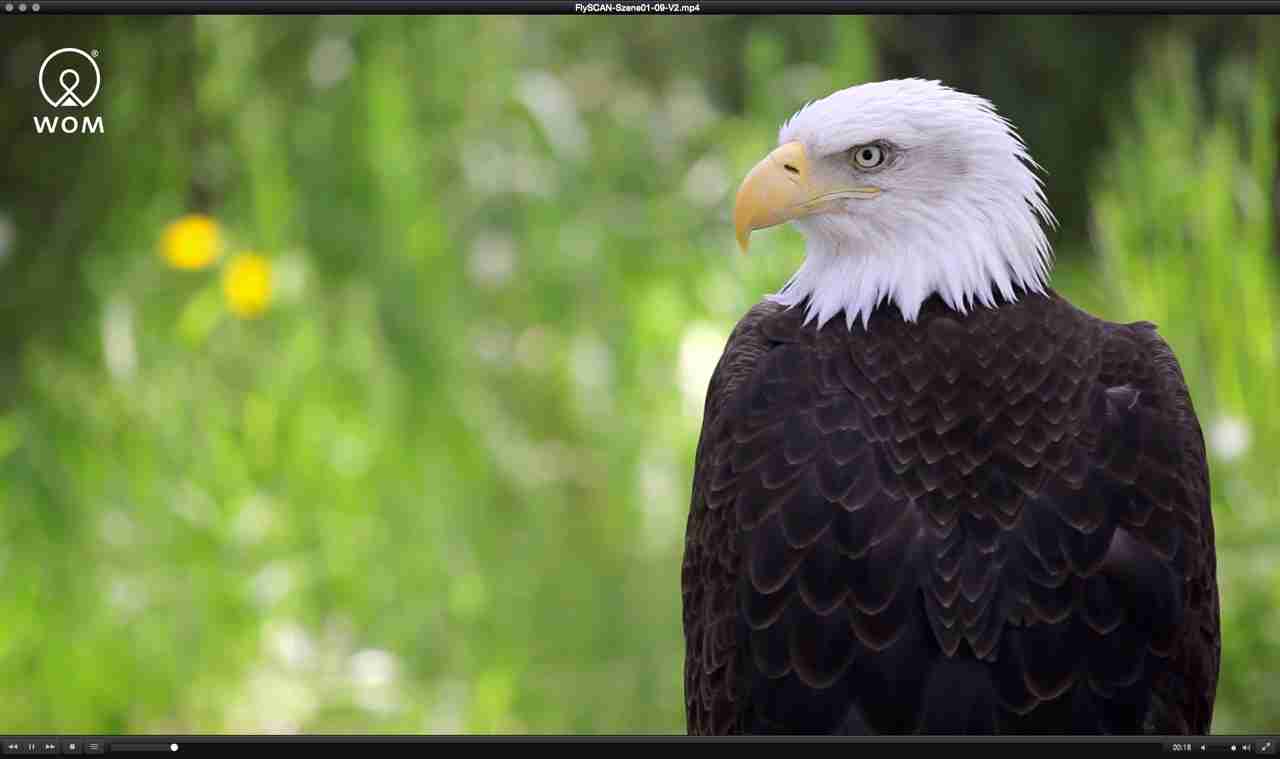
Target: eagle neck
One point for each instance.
(854, 268)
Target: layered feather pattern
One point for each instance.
(991, 522)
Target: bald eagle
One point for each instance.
(930, 494)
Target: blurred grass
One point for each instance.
(389, 503)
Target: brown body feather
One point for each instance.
(987, 523)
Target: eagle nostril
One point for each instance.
(790, 168)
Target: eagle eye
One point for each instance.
(868, 156)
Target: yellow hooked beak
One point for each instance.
(781, 188)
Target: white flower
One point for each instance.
(1229, 437)
(492, 260)
(330, 62)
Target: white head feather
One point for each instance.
(959, 213)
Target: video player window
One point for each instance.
(372, 373)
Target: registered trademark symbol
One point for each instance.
(94, 52)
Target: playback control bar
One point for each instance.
(65, 746)
(89, 746)
(1040, 747)
(1237, 746)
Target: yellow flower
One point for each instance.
(246, 284)
(192, 242)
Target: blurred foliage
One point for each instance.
(423, 465)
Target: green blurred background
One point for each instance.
(439, 484)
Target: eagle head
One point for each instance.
(902, 189)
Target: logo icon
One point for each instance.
(74, 86)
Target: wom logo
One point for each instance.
(72, 81)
